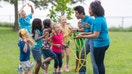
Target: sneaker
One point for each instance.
(42, 66)
(45, 73)
(19, 69)
(59, 73)
(61, 70)
(66, 68)
(55, 72)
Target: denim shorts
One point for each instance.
(66, 46)
(48, 53)
(37, 54)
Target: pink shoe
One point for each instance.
(45, 73)
(67, 68)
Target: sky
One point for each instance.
(112, 8)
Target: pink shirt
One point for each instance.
(57, 39)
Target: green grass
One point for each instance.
(118, 58)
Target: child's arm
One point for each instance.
(32, 10)
(85, 33)
(25, 47)
(57, 45)
(20, 11)
(37, 37)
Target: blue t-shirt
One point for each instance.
(23, 56)
(100, 25)
(86, 22)
(25, 22)
(38, 43)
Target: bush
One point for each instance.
(6, 24)
(120, 29)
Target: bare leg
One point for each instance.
(37, 67)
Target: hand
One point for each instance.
(24, 4)
(29, 5)
(64, 44)
(73, 31)
(79, 36)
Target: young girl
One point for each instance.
(48, 54)
(37, 36)
(57, 39)
(24, 44)
(66, 29)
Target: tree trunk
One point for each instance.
(16, 26)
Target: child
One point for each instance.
(46, 51)
(57, 39)
(24, 20)
(78, 43)
(37, 36)
(66, 29)
(23, 44)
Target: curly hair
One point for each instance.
(97, 8)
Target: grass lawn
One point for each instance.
(118, 58)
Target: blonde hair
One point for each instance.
(22, 33)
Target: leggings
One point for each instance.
(99, 54)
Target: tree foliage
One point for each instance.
(58, 8)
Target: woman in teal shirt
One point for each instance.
(99, 35)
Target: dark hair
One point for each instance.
(97, 8)
(80, 9)
(46, 23)
(36, 24)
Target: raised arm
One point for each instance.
(32, 10)
(21, 10)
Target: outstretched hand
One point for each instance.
(29, 4)
(79, 36)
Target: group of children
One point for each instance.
(45, 38)
(47, 42)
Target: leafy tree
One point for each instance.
(59, 7)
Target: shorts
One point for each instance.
(66, 46)
(37, 54)
(48, 53)
(27, 65)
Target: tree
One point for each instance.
(15, 3)
(59, 7)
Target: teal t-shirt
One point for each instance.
(38, 43)
(25, 22)
(87, 20)
(100, 25)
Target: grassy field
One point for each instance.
(118, 58)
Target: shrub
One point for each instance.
(6, 24)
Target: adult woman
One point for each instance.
(100, 34)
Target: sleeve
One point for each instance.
(30, 16)
(97, 25)
(91, 20)
(21, 45)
